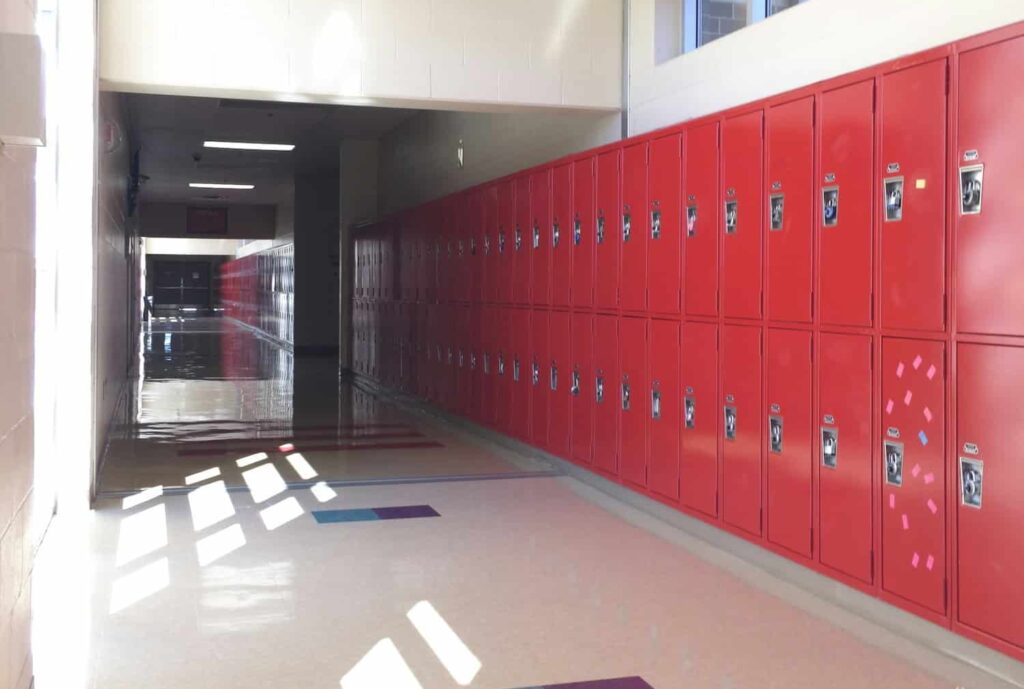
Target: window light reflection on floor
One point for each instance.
(280, 513)
(302, 466)
(322, 492)
(143, 496)
(210, 504)
(251, 459)
(141, 533)
(383, 666)
(140, 584)
(201, 476)
(264, 482)
(456, 657)
(220, 543)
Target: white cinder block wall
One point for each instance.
(428, 52)
(813, 41)
(17, 308)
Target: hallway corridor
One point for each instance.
(239, 543)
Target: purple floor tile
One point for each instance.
(406, 512)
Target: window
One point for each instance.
(721, 17)
(683, 25)
(776, 6)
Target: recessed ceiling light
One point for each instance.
(212, 185)
(249, 146)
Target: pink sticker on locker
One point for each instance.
(906, 521)
(899, 370)
(892, 501)
(931, 372)
(930, 562)
(907, 397)
(916, 470)
(932, 506)
(888, 407)
(929, 477)
(928, 414)
(915, 560)
(917, 362)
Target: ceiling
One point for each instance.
(170, 130)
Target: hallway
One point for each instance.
(274, 572)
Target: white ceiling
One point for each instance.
(170, 130)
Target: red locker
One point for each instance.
(477, 407)
(584, 232)
(540, 237)
(490, 275)
(608, 232)
(665, 408)
(581, 389)
(538, 383)
(484, 365)
(519, 325)
(741, 181)
(506, 242)
(605, 350)
(561, 234)
(790, 456)
(844, 220)
(790, 210)
(990, 428)
(701, 220)
(742, 421)
(472, 230)
(559, 378)
(845, 521)
(913, 490)
(521, 242)
(504, 353)
(664, 246)
(989, 250)
(699, 450)
(912, 207)
(632, 393)
(633, 275)
(460, 248)
(447, 266)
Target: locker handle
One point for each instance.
(555, 234)
(971, 473)
(535, 373)
(577, 230)
(515, 369)
(655, 404)
(501, 364)
(472, 361)
(627, 223)
(656, 223)
(625, 393)
(487, 245)
(574, 385)
(501, 241)
(554, 376)
(600, 226)
(518, 238)
(487, 364)
(536, 235)
(599, 389)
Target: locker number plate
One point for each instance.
(970, 482)
(893, 463)
(829, 447)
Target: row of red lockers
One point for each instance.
(788, 437)
(899, 510)
(731, 214)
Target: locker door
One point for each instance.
(491, 276)
(989, 251)
(912, 197)
(990, 428)
(742, 185)
(844, 462)
(561, 234)
(699, 451)
(447, 268)
(521, 242)
(504, 352)
(465, 372)
(701, 220)
(538, 384)
(520, 373)
(665, 408)
(506, 244)
(474, 238)
(476, 410)
(790, 210)
(633, 400)
(608, 232)
(846, 120)
(460, 255)
(581, 388)
(633, 278)
(913, 489)
(540, 237)
(605, 383)
(742, 424)
(584, 232)
(664, 246)
(558, 378)
(788, 431)
(483, 367)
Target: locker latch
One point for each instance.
(830, 206)
(536, 235)
(462, 249)
(829, 447)
(625, 393)
(775, 433)
(893, 463)
(730, 422)
(515, 369)
(472, 246)
(970, 482)
(450, 357)
(487, 245)
(487, 364)
(655, 402)
(574, 387)
(970, 189)
(691, 221)
(449, 248)
(731, 211)
(577, 230)
(501, 364)
(689, 412)
(472, 361)
(501, 241)
(776, 204)
(893, 190)
(600, 226)
(554, 376)
(555, 234)
(599, 388)
(461, 358)
(656, 220)
(535, 373)
(518, 238)
(626, 223)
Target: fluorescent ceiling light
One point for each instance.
(249, 146)
(212, 185)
